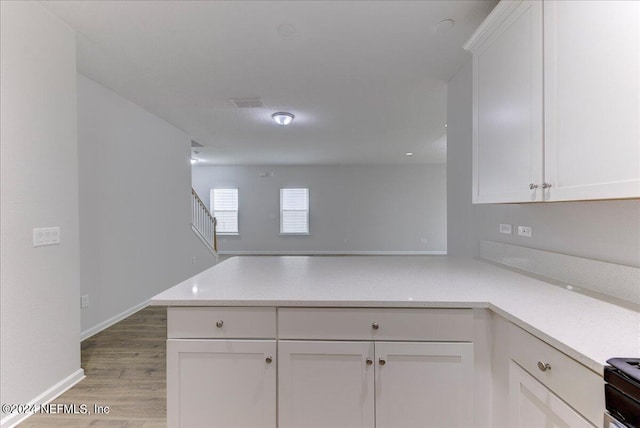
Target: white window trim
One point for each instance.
(237, 211)
(308, 232)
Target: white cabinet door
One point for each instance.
(325, 384)
(592, 99)
(532, 405)
(221, 383)
(424, 385)
(507, 105)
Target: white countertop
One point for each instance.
(587, 329)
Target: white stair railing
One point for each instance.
(203, 223)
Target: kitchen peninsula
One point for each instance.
(453, 339)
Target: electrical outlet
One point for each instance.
(193, 260)
(84, 301)
(524, 231)
(46, 236)
(505, 228)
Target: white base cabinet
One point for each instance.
(424, 385)
(221, 383)
(536, 386)
(325, 384)
(328, 368)
(375, 384)
(532, 405)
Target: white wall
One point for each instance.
(352, 208)
(135, 209)
(39, 287)
(602, 230)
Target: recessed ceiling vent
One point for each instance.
(195, 144)
(247, 102)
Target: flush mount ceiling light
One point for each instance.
(409, 154)
(444, 26)
(283, 118)
(195, 153)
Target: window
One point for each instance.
(224, 207)
(294, 211)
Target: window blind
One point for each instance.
(294, 211)
(224, 207)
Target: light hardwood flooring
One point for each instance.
(125, 369)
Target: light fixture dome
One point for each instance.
(283, 118)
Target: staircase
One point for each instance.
(203, 223)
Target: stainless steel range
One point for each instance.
(622, 393)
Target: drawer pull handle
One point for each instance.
(369, 361)
(269, 359)
(219, 323)
(375, 326)
(382, 362)
(544, 366)
(533, 186)
(546, 185)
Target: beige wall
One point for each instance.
(353, 208)
(39, 301)
(135, 207)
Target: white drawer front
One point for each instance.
(580, 387)
(360, 324)
(221, 323)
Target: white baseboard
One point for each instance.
(111, 321)
(47, 396)
(332, 253)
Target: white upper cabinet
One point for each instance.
(556, 102)
(507, 104)
(592, 99)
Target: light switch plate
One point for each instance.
(46, 236)
(505, 228)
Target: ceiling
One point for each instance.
(366, 80)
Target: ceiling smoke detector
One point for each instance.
(283, 118)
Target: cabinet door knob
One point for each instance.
(544, 366)
(533, 186)
(375, 326)
(382, 362)
(369, 361)
(269, 359)
(546, 185)
(219, 323)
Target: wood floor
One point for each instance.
(125, 368)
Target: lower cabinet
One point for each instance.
(325, 384)
(381, 384)
(221, 383)
(336, 367)
(532, 405)
(424, 385)
(549, 389)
